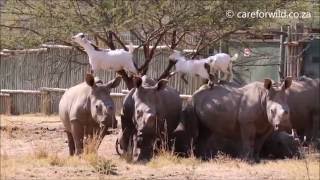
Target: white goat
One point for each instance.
(106, 59)
(193, 67)
(222, 62)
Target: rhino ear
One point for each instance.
(90, 80)
(114, 83)
(286, 83)
(161, 84)
(267, 83)
(137, 81)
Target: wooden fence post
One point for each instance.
(45, 102)
(289, 53)
(7, 99)
(282, 70)
(299, 59)
(8, 102)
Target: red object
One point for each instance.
(247, 52)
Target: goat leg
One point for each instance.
(211, 77)
(171, 74)
(92, 72)
(184, 78)
(211, 80)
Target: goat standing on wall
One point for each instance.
(199, 67)
(106, 59)
(222, 62)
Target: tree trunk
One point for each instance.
(127, 80)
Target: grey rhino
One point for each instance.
(151, 111)
(281, 145)
(187, 131)
(303, 101)
(85, 107)
(248, 114)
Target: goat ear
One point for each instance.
(267, 83)
(161, 84)
(137, 81)
(114, 83)
(90, 80)
(286, 83)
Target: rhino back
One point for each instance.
(74, 104)
(222, 109)
(217, 109)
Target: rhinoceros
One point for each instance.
(248, 114)
(187, 131)
(281, 145)
(86, 107)
(151, 111)
(303, 101)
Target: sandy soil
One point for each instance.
(35, 147)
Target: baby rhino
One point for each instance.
(85, 108)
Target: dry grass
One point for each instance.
(41, 151)
(90, 145)
(28, 117)
(44, 161)
(166, 163)
(165, 158)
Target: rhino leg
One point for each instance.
(78, 133)
(88, 132)
(70, 144)
(315, 126)
(248, 132)
(202, 143)
(259, 144)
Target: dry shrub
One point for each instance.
(100, 164)
(74, 161)
(9, 129)
(55, 160)
(103, 166)
(91, 145)
(222, 158)
(166, 158)
(91, 158)
(41, 151)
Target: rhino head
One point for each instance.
(147, 121)
(101, 104)
(276, 104)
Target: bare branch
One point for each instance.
(197, 48)
(144, 67)
(166, 72)
(137, 36)
(23, 28)
(120, 41)
(179, 39)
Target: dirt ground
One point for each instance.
(35, 147)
